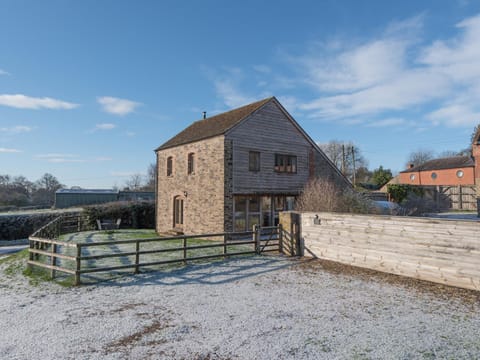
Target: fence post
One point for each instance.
(224, 246)
(280, 238)
(137, 256)
(53, 260)
(185, 250)
(78, 265)
(256, 238)
(30, 253)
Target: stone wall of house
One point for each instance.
(228, 186)
(203, 191)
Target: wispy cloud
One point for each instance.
(227, 86)
(21, 101)
(117, 106)
(7, 151)
(58, 158)
(103, 158)
(123, 173)
(395, 73)
(105, 126)
(264, 69)
(16, 129)
(69, 158)
(3, 72)
(387, 122)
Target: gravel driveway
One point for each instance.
(250, 308)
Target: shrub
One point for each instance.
(322, 194)
(134, 214)
(399, 192)
(415, 205)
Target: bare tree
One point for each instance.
(44, 190)
(151, 177)
(135, 182)
(420, 157)
(322, 194)
(346, 156)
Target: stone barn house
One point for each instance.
(231, 171)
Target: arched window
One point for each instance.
(191, 164)
(170, 166)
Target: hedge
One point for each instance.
(134, 214)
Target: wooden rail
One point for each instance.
(263, 240)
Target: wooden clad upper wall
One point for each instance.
(268, 131)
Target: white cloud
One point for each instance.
(3, 72)
(59, 158)
(6, 150)
(54, 155)
(20, 101)
(413, 88)
(103, 158)
(227, 86)
(396, 72)
(69, 158)
(130, 133)
(123, 173)
(263, 69)
(16, 129)
(387, 122)
(117, 106)
(63, 160)
(105, 126)
(358, 68)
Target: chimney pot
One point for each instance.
(204, 114)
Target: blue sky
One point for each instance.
(88, 89)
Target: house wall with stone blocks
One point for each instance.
(203, 191)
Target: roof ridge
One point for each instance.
(449, 162)
(213, 126)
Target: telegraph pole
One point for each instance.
(354, 170)
(343, 159)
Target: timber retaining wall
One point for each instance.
(441, 251)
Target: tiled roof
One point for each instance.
(213, 126)
(444, 163)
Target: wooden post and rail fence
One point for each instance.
(45, 243)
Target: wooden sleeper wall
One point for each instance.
(441, 251)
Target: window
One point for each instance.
(460, 173)
(285, 163)
(170, 166)
(191, 164)
(434, 175)
(412, 177)
(177, 211)
(254, 161)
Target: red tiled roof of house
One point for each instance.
(443, 163)
(213, 126)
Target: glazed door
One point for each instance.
(178, 212)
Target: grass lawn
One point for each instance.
(123, 259)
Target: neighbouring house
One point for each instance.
(231, 171)
(65, 198)
(453, 182)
